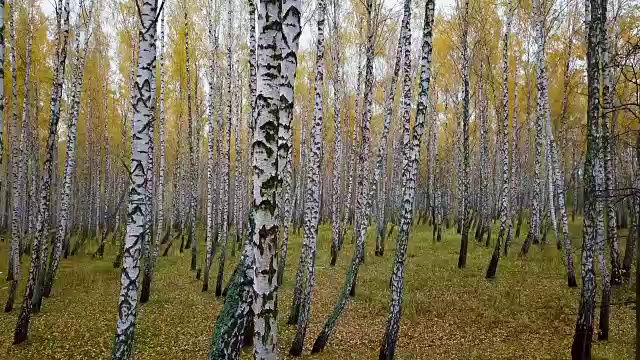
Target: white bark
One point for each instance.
(410, 165)
(143, 107)
(265, 180)
(70, 158)
(288, 44)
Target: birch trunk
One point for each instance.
(379, 178)
(40, 242)
(466, 209)
(210, 237)
(265, 181)
(504, 199)
(533, 236)
(558, 179)
(336, 224)
(312, 202)
(161, 179)
(363, 192)
(70, 158)
(581, 347)
(143, 114)
(227, 154)
(13, 273)
(410, 165)
(608, 149)
(291, 30)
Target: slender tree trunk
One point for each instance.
(226, 162)
(581, 348)
(210, 237)
(466, 209)
(504, 149)
(40, 242)
(288, 46)
(312, 202)
(143, 114)
(410, 165)
(379, 173)
(13, 273)
(161, 179)
(533, 236)
(70, 158)
(608, 148)
(336, 224)
(361, 205)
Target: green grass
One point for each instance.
(527, 312)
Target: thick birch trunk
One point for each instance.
(265, 182)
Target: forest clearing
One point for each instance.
(527, 313)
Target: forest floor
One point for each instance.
(527, 312)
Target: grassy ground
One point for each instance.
(527, 312)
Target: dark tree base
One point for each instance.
(296, 348)
(146, 287)
(334, 258)
(493, 264)
(293, 316)
(525, 246)
(198, 273)
(166, 249)
(571, 278)
(320, 343)
(462, 259)
(12, 293)
(193, 262)
(581, 348)
(603, 327)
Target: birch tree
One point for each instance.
(466, 208)
(410, 164)
(227, 154)
(533, 236)
(13, 273)
(288, 46)
(581, 347)
(161, 176)
(363, 191)
(337, 81)
(504, 199)
(379, 173)
(265, 181)
(137, 208)
(210, 152)
(608, 148)
(312, 201)
(40, 242)
(77, 72)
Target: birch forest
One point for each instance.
(328, 179)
